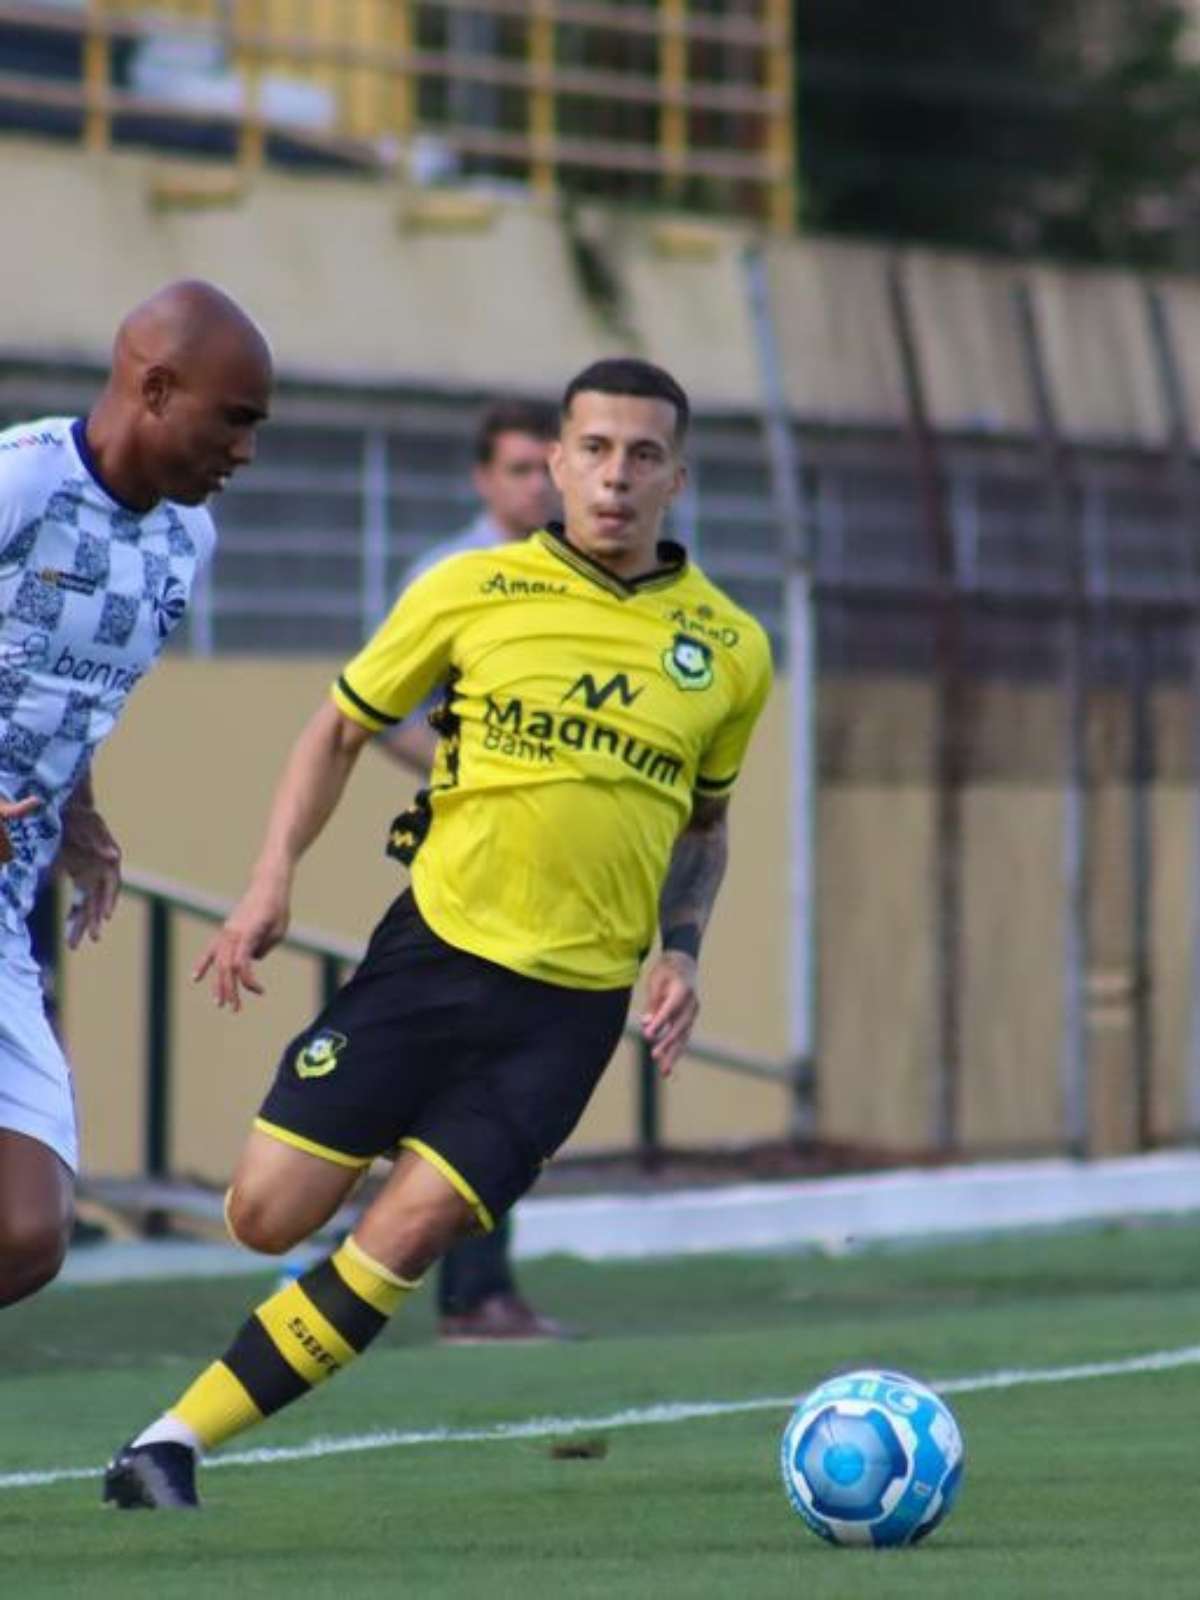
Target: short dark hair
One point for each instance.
(632, 376)
(510, 415)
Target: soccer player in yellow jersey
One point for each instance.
(601, 695)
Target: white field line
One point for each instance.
(636, 1417)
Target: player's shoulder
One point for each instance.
(485, 571)
(454, 571)
(35, 456)
(705, 608)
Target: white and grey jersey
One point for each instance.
(90, 591)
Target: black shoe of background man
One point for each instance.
(152, 1477)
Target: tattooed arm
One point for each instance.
(689, 892)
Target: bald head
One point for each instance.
(191, 381)
(181, 324)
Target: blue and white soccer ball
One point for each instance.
(872, 1458)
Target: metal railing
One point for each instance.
(664, 101)
(164, 899)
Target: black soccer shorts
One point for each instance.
(481, 1071)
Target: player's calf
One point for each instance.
(297, 1339)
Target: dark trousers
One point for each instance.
(475, 1270)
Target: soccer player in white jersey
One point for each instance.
(103, 531)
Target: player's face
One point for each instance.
(201, 423)
(515, 484)
(617, 467)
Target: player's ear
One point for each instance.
(555, 463)
(158, 384)
(680, 478)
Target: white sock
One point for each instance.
(170, 1430)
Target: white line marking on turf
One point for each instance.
(636, 1417)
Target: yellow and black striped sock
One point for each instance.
(295, 1340)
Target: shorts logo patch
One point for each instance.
(689, 662)
(320, 1055)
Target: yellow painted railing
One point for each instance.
(675, 102)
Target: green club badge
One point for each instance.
(689, 662)
(320, 1055)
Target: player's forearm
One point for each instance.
(82, 796)
(693, 880)
(313, 780)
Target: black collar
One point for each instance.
(672, 559)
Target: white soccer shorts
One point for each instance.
(37, 1097)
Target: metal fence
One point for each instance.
(680, 101)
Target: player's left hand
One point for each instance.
(91, 858)
(672, 1006)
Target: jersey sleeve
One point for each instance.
(411, 651)
(722, 760)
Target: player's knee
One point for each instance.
(259, 1224)
(32, 1251)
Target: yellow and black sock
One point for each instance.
(302, 1335)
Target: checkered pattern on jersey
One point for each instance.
(90, 594)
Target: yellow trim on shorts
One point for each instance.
(311, 1147)
(453, 1176)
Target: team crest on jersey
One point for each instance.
(320, 1055)
(689, 662)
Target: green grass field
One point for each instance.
(1081, 1488)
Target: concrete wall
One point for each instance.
(460, 288)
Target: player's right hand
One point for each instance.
(255, 926)
(10, 811)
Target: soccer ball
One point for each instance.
(872, 1458)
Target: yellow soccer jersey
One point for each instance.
(581, 714)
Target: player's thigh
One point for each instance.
(281, 1194)
(415, 1218)
(348, 1085)
(37, 1193)
(500, 1118)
